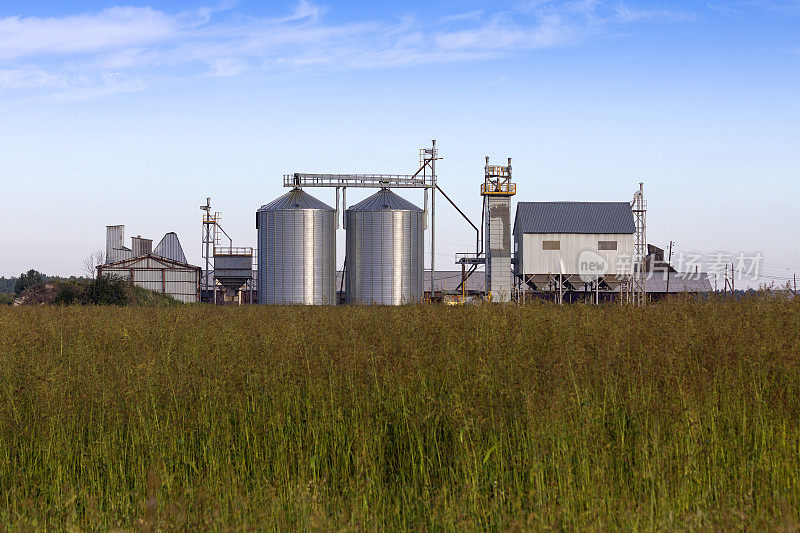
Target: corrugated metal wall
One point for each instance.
(384, 256)
(141, 246)
(115, 242)
(534, 260)
(170, 247)
(296, 256)
(498, 248)
(179, 281)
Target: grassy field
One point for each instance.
(681, 415)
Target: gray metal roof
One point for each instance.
(574, 217)
(296, 199)
(678, 282)
(384, 199)
(146, 261)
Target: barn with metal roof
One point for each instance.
(575, 241)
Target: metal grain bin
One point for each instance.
(385, 248)
(296, 251)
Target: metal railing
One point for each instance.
(500, 189)
(471, 258)
(406, 181)
(499, 171)
(233, 250)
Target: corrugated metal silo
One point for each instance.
(296, 251)
(385, 249)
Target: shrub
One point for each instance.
(106, 290)
(69, 294)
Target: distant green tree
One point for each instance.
(29, 279)
(7, 285)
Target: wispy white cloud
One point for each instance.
(787, 6)
(29, 77)
(113, 28)
(627, 14)
(123, 47)
(460, 17)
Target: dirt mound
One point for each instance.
(41, 294)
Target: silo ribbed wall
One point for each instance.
(385, 249)
(296, 251)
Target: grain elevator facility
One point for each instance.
(384, 252)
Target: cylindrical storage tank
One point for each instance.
(385, 248)
(296, 251)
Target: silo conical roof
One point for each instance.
(384, 199)
(296, 199)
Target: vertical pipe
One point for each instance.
(425, 211)
(433, 216)
(337, 207)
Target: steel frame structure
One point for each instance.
(561, 285)
(211, 238)
(424, 178)
(638, 285)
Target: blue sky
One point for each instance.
(132, 113)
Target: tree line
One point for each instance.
(17, 284)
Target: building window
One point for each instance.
(551, 245)
(606, 245)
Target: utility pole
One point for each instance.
(669, 266)
(795, 285)
(725, 286)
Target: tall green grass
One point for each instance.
(680, 415)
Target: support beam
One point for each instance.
(460, 212)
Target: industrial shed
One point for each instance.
(557, 238)
(160, 274)
(679, 283)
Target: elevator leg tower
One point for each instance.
(498, 190)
